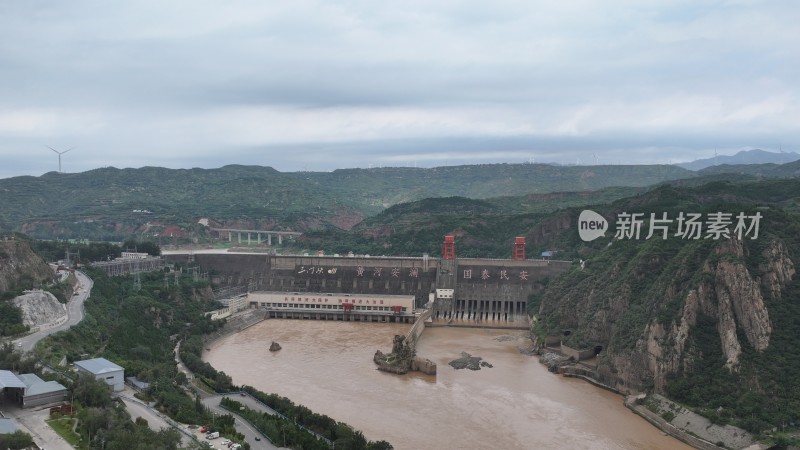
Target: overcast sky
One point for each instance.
(313, 85)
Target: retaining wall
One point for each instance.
(578, 355)
(663, 425)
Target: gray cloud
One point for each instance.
(289, 84)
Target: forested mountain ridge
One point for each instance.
(765, 170)
(711, 322)
(113, 204)
(753, 157)
(384, 187)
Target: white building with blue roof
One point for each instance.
(103, 369)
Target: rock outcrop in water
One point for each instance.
(470, 362)
(274, 347)
(402, 359)
(553, 361)
(399, 360)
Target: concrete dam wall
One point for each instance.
(483, 289)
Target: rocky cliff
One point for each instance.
(20, 267)
(40, 308)
(727, 291)
(711, 322)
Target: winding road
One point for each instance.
(75, 314)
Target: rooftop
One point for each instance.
(7, 426)
(138, 383)
(98, 366)
(29, 379)
(9, 380)
(45, 387)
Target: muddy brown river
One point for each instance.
(516, 404)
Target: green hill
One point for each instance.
(113, 204)
(484, 228)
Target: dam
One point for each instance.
(477, 290)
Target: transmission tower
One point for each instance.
(137, 278)
(68, 254)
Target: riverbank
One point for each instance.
(236, 324)
(686, 425)
(694, 429)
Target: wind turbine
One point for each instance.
(59, 155)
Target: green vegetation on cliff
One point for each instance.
(712, 323)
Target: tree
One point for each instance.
(90, 392)
(16, 440)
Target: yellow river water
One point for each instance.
(516, 404)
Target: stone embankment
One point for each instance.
(237, 323)
(686, 425)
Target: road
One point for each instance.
(243, 427)
(154, 420)
(33, 422)
(74, 314)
